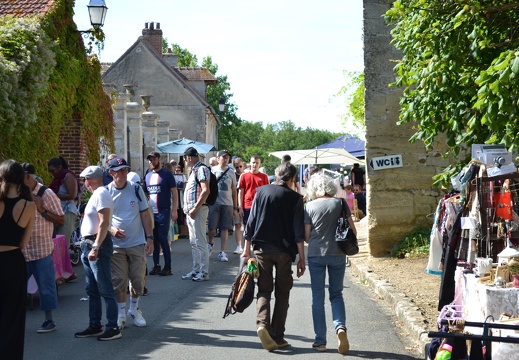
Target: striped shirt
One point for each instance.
(193, 190)
(40, 244)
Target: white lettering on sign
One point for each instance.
(386, 162)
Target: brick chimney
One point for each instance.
(171, 59)
(153, 35)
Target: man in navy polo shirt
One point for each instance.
(161, 187)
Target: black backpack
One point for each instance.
(213, 186)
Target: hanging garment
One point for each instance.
(436, 243)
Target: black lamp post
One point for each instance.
(97, 12)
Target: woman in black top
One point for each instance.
(17, 212)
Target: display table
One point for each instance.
(480, 300)
(62, 264)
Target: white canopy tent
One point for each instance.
(319, 156)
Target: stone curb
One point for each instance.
(407, 312)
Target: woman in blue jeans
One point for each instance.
(324, 254)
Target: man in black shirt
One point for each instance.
(276, 231)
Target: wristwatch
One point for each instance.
(149, 237)
(95, 247)
(44, 213)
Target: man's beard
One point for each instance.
(154, 167)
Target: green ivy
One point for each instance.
(458, 72)
(46, 81)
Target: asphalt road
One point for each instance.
(185, 321)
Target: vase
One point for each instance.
(515, 282)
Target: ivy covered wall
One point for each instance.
(47, 84)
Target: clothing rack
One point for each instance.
(487, 337)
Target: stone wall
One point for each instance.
(398, 199)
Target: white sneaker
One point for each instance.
(189, 275)
(201, 276)
(238, 250)
(121, 321)
(222, 256)
(138, 320)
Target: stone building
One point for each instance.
(177, 97)
(399, 199)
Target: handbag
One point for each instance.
(344, 235)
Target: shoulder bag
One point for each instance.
(344, 235)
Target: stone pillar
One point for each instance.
(120, 124)
(398, 199)
(135, 133)
(149, 135)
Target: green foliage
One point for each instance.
(26, 62)
(460, 60)
(415, 244)
(354, 100)
(53, 83)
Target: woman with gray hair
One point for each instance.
(321, 217)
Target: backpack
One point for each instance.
(213, 186)
(242, 294)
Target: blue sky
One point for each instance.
(284, 59)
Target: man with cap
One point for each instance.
(196, 210)
(163, 195)
(132, 236)
(226, 206)
(97, 248)
(38, 252)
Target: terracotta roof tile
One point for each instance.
(196, 73)
(25, 8)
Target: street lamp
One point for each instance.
(97, 12)
(221, 104)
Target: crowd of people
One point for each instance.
(126, 219)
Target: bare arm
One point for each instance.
(241, 200)
(102, 230)
(174, 205)
(27, 220)
(148, 230)
(71, 186)
(308, 230)
(301, 266)
(202, 198)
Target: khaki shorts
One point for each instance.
(128, 264)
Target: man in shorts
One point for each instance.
(226, 206)
(131, 220)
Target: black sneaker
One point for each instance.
(165, 272)
(90, 331)
(155, 270)
(145, 291)
(110, 334)
(48, 326)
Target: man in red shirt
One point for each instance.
(247, 186)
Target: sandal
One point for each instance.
(319, 347)
(60, 281)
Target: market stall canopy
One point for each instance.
(180, 145)
(319, 156)
(351, 144)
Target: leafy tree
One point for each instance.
(354, 99)
(458, 71)
(227, 136)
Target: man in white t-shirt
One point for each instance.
(97, 247)
(132, 236)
